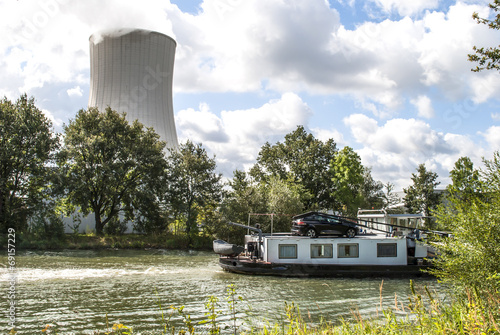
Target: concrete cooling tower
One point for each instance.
(131, 71)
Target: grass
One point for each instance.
(422, 314)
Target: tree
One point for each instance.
(470, 260)
(300, 160)
(391, 199)
(192, 184)
(465, 180)
(488, 58)
(371, 191)
(348, 178)
(107, 164)
(27, 146)
(243, 197)
(421, 196)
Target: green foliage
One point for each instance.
(300, 160)
(47, 225)
(488, 58)
(471, 259)
(191, 184)
(110, 166)
(27, 145)
(244, 196)
(421, 196)
(348, 178)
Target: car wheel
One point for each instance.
(351, 232)
(311, 232)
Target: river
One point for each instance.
(75, 290)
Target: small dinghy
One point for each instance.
(227, 249)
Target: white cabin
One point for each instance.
(361, 250)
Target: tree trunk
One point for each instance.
(98, 221)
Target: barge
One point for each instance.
(365, 255)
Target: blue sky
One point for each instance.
(389, 78)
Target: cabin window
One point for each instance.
(387, 250)
(348, 250)
(321, 251)
(287, 251)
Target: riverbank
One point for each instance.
(127, 241)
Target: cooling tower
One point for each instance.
(131, 71)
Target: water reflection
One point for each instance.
(76, 289)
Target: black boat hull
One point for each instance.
(248, 266)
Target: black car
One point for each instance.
(313, 224)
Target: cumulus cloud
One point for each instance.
(405, 8)
(492, 136)
(248, 46)
(75, 92)
(396, 148)
(424, 106)
(237, 136)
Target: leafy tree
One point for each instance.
(371, 191)
(466, 187)
(391, 199)
(471, 259)
(488, 58)
(27, 145)
(285, 201)
(348, 178)
(107, 164)
(421, 196)
(465, 179)
(300, 160)
(192, 184)
(243, 197)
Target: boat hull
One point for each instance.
(244, 265)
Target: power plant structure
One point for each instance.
(131, 71)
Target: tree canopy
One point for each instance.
(471, 258)
(192, 184)
(108, 163)
(300, 160)
(27, 148)
(421, 196)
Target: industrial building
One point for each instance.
(131, 71)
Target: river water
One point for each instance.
(83, 291)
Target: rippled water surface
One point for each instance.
(75, 290)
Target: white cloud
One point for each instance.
(405, 8)
(492, 136)
(237, 136)
(327, 134)
(75, 92)
(56, 122)
(396, 148)
(424, 106)
(248, 46)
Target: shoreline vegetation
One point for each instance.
(423, 313)
(126, 241)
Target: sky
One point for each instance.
(388, 78)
